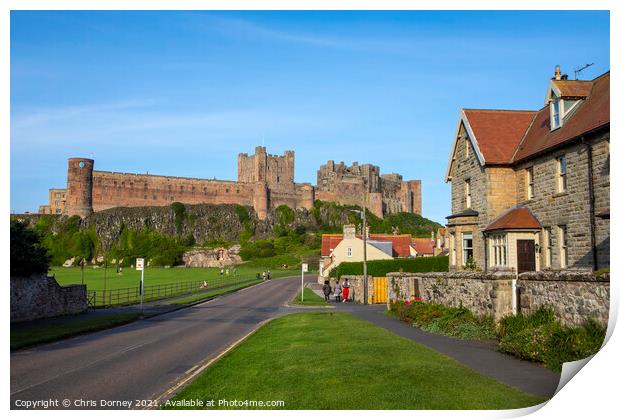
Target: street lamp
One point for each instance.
(363, 215)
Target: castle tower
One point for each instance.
(261, 200)
(375, 203)
(307, 196)
(79, 198)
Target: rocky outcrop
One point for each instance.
(212, 257)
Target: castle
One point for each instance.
(264, 182)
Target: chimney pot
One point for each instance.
(558, 73)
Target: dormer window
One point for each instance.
(555, 113)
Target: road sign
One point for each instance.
(139, 264)
(304, 268)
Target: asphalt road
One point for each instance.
(144, 359)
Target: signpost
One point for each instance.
(304, 269)
(140, 267)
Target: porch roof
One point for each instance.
(515, 218)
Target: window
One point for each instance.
(499, 250)
(561, 162)
(563, 245)
(546, 239)
(349, 252)
(467, 146)
(468, 193)
(555, 113)
(530, 182)
(468, 247)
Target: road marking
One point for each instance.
(202, 366)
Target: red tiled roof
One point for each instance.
(590, 114)
(423, 246)
(516, 218)
(400, 243)
(574, 88)
(498, 132)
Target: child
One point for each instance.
(337, 291)
(327, 290)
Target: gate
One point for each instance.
(379, 288)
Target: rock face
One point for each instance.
(212, 257)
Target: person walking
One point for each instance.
(264, 276)
(268, 275)
(345, 290)
(337, 291)
(327, 290)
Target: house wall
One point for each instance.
(468, 168)
(339, 254)
(572, 207)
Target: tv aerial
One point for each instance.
(580, 69)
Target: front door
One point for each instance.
(526, 255)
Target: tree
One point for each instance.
(28, 256)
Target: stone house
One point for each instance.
(349, 247)
(530, 189)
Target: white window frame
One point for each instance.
(453, 248)
(467, 147)
(561, 176)
(563, 246)
(499, 249)
(556, 114)
(530, 182)
(464, 236)
(349, 252)
(468, 193)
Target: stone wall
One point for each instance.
(212, 257)
(357, 287)
(40, 296)
(485, 294)
(575, 296)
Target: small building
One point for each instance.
(423, 247)
(530, 189)
(349, 247)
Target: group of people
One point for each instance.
(266, 275)
(340, 293)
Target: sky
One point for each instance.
(182, 93)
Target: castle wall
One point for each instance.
(114, 189)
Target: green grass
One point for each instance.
(53, 332)
(94, 277)
(197, 297)
(310, 299)
(327, 360)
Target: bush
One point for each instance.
(28, 255)
(382, 267)
(540, 337)
(455, 322)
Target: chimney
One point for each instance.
(558, 73)
(348, 231)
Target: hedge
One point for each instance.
(381, 267)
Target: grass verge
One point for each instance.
(197, 297)
(327, 360)
(52, 332)
(310, 299)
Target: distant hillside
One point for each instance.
(164, 233)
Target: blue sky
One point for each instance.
(181, 93)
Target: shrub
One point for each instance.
(382, 267)
(28, 256)
(179, 215)
(540, 337)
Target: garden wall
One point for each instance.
(40, 296)
(575, 296)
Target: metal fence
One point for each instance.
(131, 295)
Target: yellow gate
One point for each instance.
(379, 290)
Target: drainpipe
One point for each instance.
(591, 196)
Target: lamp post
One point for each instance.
(363, 214)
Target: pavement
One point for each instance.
(153, 358)
(479, 355)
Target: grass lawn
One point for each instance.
(327, 360)
(310, 299)
(52, 332)
(94, 277)
(186, 300)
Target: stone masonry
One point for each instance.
(264, 182)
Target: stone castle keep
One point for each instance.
(264, 182)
